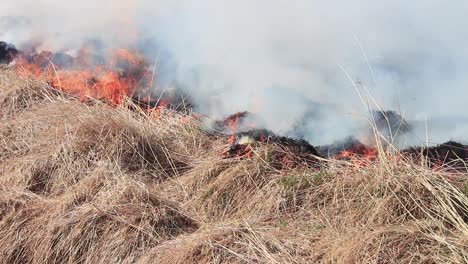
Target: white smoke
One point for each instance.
(287, 61)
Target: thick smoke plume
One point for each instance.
(310, 69)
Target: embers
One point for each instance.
(240, 144)
(285, 152)
(239, 151)
(350, 149)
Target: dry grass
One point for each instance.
(95, 184)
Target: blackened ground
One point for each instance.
(338, 147)
(287, 152)
(297, 145)
(451, 154)
(8, 52)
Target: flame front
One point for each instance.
(359, 154)
(88, 76)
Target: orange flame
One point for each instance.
(233, 121)
(359, 154)
(87, 76)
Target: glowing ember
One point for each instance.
(285, 152)
(238, 151)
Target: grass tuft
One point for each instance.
(89, 183)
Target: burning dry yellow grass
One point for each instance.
(95, 184)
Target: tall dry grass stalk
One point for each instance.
(88, 183)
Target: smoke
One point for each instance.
(307, 68)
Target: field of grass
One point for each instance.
(90, 183)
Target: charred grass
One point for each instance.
(88, 183)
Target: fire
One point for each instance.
(238, 151)
(232, 139)
(359, 154)
(233, 121)
(88, 76)
(157, 110)
(239, 146)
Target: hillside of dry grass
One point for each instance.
(89, 183)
